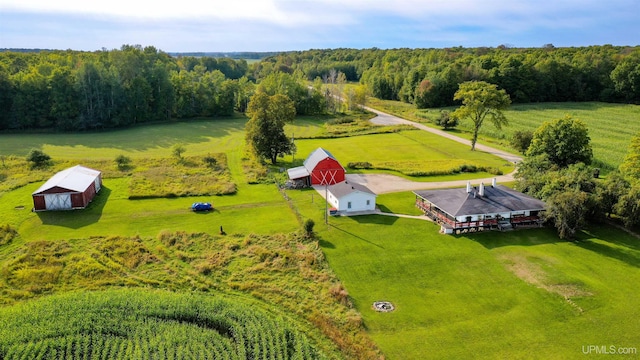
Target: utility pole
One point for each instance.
(326, 203)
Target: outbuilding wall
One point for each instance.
(358, 202)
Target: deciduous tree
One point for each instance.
(629, 206)
(567, 210)
(630, 167)
(565, 141)
(521, 140)
(265, 128)
(479, 100)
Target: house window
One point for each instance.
(368, 202)
(349, 205)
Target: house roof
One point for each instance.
(315, 157)
(499, 199)
(345, 188)
(297, 172)
(77, 178)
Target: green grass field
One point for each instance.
(522, 294)
(611, 126)
(404, 152)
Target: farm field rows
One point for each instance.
(173, 326)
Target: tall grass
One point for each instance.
(287, 270)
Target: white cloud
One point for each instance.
(229, 9)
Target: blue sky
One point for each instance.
(278, 25)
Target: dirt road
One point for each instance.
(384, 183)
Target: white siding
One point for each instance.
(358, 202)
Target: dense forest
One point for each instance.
(72, 90)
(430, 77)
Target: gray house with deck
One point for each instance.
(479, 208)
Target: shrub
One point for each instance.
(7, 233)
(177, 150)
(123, 162)
(308, 227)
(346, 120)
(468, 168)
(521, 140)
(38, 158)
(210, 161)
(360, 165)
(446, 120)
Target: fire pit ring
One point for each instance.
(383, 306)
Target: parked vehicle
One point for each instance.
(201, 206)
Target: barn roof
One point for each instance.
(297, 172)
(345, 188)
(498, 199)
(315, 157)
(77, 178)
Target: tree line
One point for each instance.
(73, 90)
(430, 77)
(69, 90)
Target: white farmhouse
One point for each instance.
(350, 197)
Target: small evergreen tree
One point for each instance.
(308, 227)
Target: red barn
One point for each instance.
(72, 188)
(320, 168)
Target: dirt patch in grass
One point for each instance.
(534, 274)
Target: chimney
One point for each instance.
(468, 186)
(481, 192)
(493, 182)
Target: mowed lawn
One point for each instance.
(522, 294)
(257, 209)
(254, 209)
(519, 294)
(411, 150)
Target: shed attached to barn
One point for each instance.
(320, 168)
(487, 207)
(72, 188)
(349, 197)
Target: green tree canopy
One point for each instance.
(38, 158)
(565, 141)
(630, 167)
(479, 100)
(265, 128)
(567, 210)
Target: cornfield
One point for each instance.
(139, 324)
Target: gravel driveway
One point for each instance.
(385, 183)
